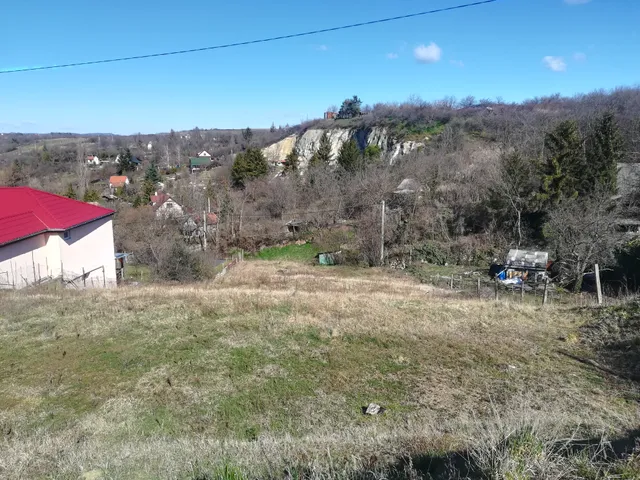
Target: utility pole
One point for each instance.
(204, 226)
(598, 285)
(382, 235)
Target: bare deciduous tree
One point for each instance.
(82, 171)
(582, 232)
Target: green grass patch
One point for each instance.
(417, 131)
(294, 253)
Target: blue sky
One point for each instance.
(514, 49)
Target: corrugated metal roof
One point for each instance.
(199, 161)
(25, 212)
(527, 259)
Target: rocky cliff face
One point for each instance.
(308, 142)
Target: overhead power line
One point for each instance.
(251, 42)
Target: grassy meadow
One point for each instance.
(266, 370)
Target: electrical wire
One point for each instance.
(251, 42)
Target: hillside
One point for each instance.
(268, 367)
(487, 176)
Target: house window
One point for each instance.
(67, 235)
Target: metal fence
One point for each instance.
(477, 285)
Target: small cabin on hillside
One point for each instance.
(522, 265)
(199, 163)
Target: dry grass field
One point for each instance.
(268, 367)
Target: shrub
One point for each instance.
(180, 264)
(431, 253)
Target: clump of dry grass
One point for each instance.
(267, 368)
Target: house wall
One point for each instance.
(19, 261)
(44, 256)
(90, 247)
(169, 209)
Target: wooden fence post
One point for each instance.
(546, 291)
(478, 288)
(104, 278)
(598, 285)
(522, 291)
(496, 292)
(451, 282)
(84, 279)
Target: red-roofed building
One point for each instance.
(43, 235)
(165, 206)
(118, 181)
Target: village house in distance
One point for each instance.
(46, 237)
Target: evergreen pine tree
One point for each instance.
(247, 135)
(563, 170)
(152, 175)
(17, 177)
(45, 155)
(350, 156)
(91, 195)
(248, 165)
(71, 193)
(292, 161)
(372, 153)
(126, 164)
(148, 189)
(350, 108)
(323, 154)
(605, 148)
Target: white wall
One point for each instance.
(19, 260)
(90, 246)
(169, 209)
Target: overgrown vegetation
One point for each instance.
(486, 176)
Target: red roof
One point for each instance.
(25, 212)
(159, 198)
(118, 180)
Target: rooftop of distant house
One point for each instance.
(118, 180)
(199, 161)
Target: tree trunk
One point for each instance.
(580, 268)
(519, 213)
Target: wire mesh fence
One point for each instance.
(535, 292)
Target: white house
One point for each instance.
(118, 181)
(165, 206)
(44, 236)
(204, 153)
(93, 160)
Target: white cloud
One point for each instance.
(322, 48)
(392, 56)
(457, 63)
(557, 64)
(580, 57)
(428, 53)
(576, 2)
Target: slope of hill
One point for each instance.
(268, 368)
